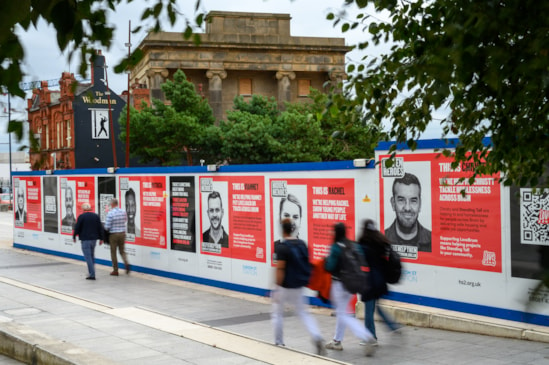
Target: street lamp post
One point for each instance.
(128, 103)
(9, 136)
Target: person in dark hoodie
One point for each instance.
(340, 297)
(376, 247)
(89, 229)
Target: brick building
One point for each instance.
(243, 54)
(73, 125)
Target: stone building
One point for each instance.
(73, 125)
(243, 54)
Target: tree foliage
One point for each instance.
(257, 132)
(347, 133)
(246, 134)
(166, 133)
(483, 64)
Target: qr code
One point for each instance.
(534, 217)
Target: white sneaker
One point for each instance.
(370, 347)
(373, 343)
(334, 345)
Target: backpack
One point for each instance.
(354, 272)
(298, 273)
(393, 269)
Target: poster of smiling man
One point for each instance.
(432, 214)
(233, 217)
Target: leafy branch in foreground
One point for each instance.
(483, 65)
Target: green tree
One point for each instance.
(168, 132)
(346, 132)
(483, 64)
(298, 137)
(246, 134)
(257, 132)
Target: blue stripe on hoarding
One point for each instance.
(298, 166)
(98, 171)
(482, 310)
(494, 312)
(428, 144)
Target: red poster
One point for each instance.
(428, 219)
(233, 217)
(144, 200)
(315, 205)
(74, 191)
(28, 203)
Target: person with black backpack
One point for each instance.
(293, 271)
(343, 254)
(377, 250)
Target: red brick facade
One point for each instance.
(51, 119)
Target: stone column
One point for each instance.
(215, 91)
(336, 79)
(157, 76)
(284, 91)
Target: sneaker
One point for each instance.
(334, 345)
(320, 350)
(90, 278)
(370, 347)
(128, 268)
(373, 343)
(114, 273)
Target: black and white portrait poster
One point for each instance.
(51, 221)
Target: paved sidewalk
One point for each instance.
(47, 308)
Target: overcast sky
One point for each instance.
(44, 61)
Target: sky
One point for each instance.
(44, 61)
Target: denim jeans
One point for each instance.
(369, 308)
(88, 249)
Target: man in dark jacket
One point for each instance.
(89, 229)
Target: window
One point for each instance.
(58, 135)
(68, 129)
(303, 87)
(245, 86)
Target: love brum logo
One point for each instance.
(489, 258)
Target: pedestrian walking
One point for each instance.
(340, 297)
(115, 223)
(89, 229)
(376, 247)
(292, 275)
